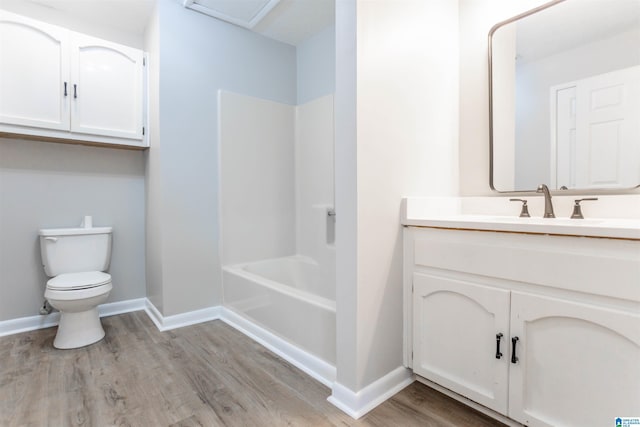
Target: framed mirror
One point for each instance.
(564, 83)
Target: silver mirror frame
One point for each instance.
(491, 143)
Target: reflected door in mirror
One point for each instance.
(597, 129)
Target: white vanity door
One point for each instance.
(454, 341)
(107, 88)
(578, 365)
(34, 67)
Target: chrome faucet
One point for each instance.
(548, 206)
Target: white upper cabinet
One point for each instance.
(107, 88)
(61, 85)
(34, 69)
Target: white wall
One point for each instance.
(198, 56)
(314, 166)
(476, 19)
(257, 178)
(48, 185)
(315, 61)
(404, 143)
(276, 180)
(315, 231)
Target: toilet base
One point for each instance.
(78, 329)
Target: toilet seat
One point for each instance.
(78, 281)
(77, 294)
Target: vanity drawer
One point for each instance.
(599, 266)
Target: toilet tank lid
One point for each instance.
(74, 231)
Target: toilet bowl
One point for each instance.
(77, 296)
(76, 259)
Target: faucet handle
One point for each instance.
(524, 213)
(577, 209)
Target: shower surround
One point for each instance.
(276, 199)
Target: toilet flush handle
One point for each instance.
(53, 239)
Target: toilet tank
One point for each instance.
(72, 250)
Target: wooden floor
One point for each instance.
(202, 375)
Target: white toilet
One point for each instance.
(76, 258)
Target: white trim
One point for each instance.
(478, 407)
(31, 323)
(306, 362)
(257, 15)
(357, 404)
(313, 366)
(119, 307)
(153, 313)
(25, 324)
(165, 323)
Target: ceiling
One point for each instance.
(127, 15)
(293, 21)
(288, 21)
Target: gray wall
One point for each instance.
(48, 185)
(55, 185)
(153, 193)
(198, 56)
(316, 62)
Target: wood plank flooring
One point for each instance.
(203, 375)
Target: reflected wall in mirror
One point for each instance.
(565, 97)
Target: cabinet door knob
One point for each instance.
(498, 352)
(65, 88)
(514, 341)
(75, 90)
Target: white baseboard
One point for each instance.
(313, 366)
(119, 307)
(357, 404)
(308, 363)
(165, 323)
(31, 323)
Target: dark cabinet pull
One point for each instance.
(75, 90)
(498, 338)
(65, 88)
(514, 341)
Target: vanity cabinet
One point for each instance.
(577, 363)
(544, 330)
(455, 323)
(57, 84)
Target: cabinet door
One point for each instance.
(106, 88)
(34, 67)
(578, 364)
(454, 337)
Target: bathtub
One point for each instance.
(292, 297)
